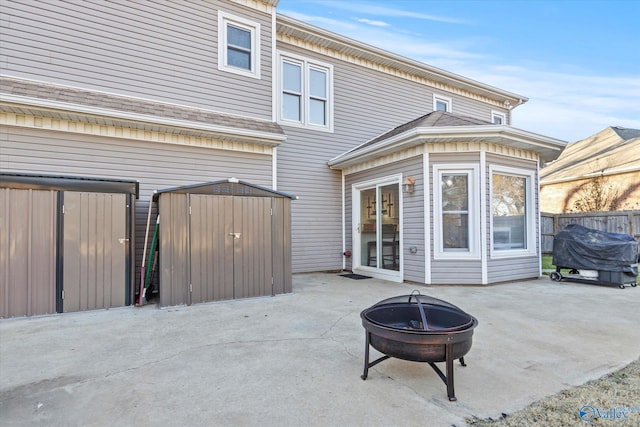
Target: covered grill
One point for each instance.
(418, 328)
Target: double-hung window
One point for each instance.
(305, 93)
(457, 210)
(238, 45)
(512, 209)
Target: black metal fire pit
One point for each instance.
(421, 329)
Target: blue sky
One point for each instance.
(578, 62)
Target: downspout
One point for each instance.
(483, 216)
(344, 223)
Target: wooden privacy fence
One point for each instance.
(623, 222)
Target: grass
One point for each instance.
(614, 393)
(547, 262)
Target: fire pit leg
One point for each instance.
(368, 365)
(366, 357)
(449, 356)
(448, 379)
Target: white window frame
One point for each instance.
(440, 98)
(225, 19)
(502, 116)
(306, 64)
(530, 212)
(473, 211)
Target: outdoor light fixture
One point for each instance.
(408, 185)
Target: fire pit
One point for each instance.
(421, 329)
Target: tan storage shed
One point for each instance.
(65, 243)
(223, 240)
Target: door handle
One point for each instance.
(122, 241)
(235, 235)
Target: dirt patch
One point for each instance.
(610, 400)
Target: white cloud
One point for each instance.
(377, 10)
(565, 102)
(373, 22)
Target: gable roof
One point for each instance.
(52, 100)
(611, 151)
(440, 126)
(226, 187)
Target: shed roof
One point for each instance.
(58, 101)
(611, 151)
(30, 181)
(226, 187)
(443, 127)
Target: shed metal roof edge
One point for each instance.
(183, 188)
(25, 180)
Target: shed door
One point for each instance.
(230, 246)
(27, 252)
(94, 250)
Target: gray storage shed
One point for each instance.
(223, 240)
(65, 243)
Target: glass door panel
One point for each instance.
(388, 243)
(380, 227)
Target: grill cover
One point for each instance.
(580, 247)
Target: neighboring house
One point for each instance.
(603, 169)
(179, 93)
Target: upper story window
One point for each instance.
(305, 92)
(456, 212)
(441, 103)
(498, 118)
(238, 45)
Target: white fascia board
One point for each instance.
(458, 133)
(29, 102)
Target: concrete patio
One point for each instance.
(296, 359)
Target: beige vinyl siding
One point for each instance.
(413, 213)
(155, 165)
(366, 104)
(504, 269)
(165, 51)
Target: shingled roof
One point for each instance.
(444, 127)
(613, 150)
(51, 100)
(433, 119)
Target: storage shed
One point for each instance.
(223, 240)
(65, 243)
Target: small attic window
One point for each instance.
(441, 103)
(498, 118)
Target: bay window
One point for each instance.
(456, 225)
(512, 212)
